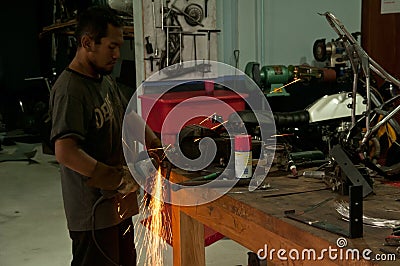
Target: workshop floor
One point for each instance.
(32, 223)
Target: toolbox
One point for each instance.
(188, 108)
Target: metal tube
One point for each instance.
(180, 47)
(167, 46)
(162, 14)
(354, 99)
(367, 64)
(380, 123)
(367, 115)
(194, 48)
(209, 46)
(375, 67)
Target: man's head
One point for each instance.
(99, 37)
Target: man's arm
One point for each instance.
(135, 125)
(69, 154)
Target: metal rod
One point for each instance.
(155, 28)
(167, 46)
(162, 14)
(357, 57)
(354, 100)
(194, 48)
(180, 47)
(380, 123)
(375, 67)
(209, 45)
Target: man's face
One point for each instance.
(104, 56)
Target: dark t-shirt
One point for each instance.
(91, 110)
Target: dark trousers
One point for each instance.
(117, 243)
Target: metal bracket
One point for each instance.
(350, 170)
(355, 212)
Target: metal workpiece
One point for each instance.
(350, 170)
(361, 61)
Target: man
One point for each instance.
(87, 112)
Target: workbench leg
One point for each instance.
(187, 239)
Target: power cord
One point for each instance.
(102, 198)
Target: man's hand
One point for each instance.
(155, 150)
(155, 143)
(105, 177)
(128, 183)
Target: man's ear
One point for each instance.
(87, 43)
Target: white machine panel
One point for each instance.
(334, 106)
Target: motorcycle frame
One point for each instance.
(360, 60)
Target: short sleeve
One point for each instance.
(67, 118)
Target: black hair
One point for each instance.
(94, 22)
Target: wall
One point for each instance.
(279, 32)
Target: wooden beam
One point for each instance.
(187, 239)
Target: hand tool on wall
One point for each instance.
(154, 28)
(162, 15)
(183, 33)
(236, 54)
(209, 31)
(189, 17)
(195, 12)
(180, 47)
(149, 46)
(151, 59)
(194, 34)
(171, 46)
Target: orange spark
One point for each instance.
(157, 230)
(214, 127)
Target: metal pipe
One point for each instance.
(167, 57)
(354, 100)
(180, 47)
(367, 64)
(375, 67)
(162, 14)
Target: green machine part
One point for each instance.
(253, 71)
(270, 79)
(274, 77)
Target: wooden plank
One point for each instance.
(187, 239)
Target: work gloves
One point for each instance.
(155, 150)
(128, 183)
(112, 178)
(155, 143)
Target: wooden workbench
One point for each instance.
(256, 220)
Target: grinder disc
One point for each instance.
(319, 50)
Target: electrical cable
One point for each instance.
(102, 198)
